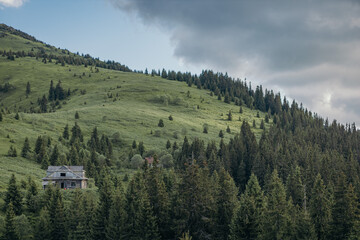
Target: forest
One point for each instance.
(297, 179)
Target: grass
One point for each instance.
(138, 103)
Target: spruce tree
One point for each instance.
(13, 196)
(77, 115)
(276, 218)
(320, 208)
(54, 156)
(28, 89)
(1, 117)
(141, 148)
(10, 233)
(168, 144)
(134, 145)
(66, 132)
(116, 226)
(30, 196)
(42, 227)
(26, 148)
(226, 203)
(161, 123)
(247, 222)
(57, 217)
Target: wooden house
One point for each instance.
(66, 177)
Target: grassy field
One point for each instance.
(125, 105)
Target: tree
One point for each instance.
(168, 144)
(26, 148)
(171, 118)
(30, 196)
(42, 228)
(66, 132)
(116, 226)
(28, 90)
(221, 134)
(141, 148)
(229, 116)
(161, 123)
(228, 129)
(254, 124)
(241, 110)
(12, 151)
(276, 218)
(205, 130)
(248, 219)
(17, 117)
(54, 156)
(57, 217)
(51, 91)
(134, 146)
(10, 233)
(77, 115)
(13, 196)
(320, 208)
(1, 117)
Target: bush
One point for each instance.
(167, 161)
(136, 161)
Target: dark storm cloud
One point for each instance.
(282, 43)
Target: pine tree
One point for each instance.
(103, 210)
(116, 227)
(221, 134)
(320, 208)
(57, 217)
(66, 132)
(229, 116)
(52, 91)
(54, 156)
(168, 144)
(248, 219)
(141, 148)
(10, 233)
(13, 196)
(161, 123)
(295, 188)
(228, 129)
(77, 115)
(12, 151)
(226, 203)
(1, 117)
(26, 148)
(30, 196)
(134, 145)
(276, 219)
(42, 228)
(28, 90)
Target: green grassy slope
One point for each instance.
(138, 102)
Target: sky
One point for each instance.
(307, 50)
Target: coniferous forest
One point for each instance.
(298, 180)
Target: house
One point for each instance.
(149, 161)
(66, 177)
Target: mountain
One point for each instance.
(123, 105)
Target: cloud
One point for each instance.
(307, 49)
(12, 3)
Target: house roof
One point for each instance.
(76, 173)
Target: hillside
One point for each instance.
(125, 106)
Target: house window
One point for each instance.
(63, 174)
(73, 184)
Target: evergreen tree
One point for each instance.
(141, 148)
(226, 202)
(221, 134)
(66, 132)
(171, 118)
(168, 144)
(134, 145)
(229, 116)
(26, 148)
(295, 188)
(28, 90)
(228, 129)
(12, 151)
(57, 217)
(320, 208)
(17, 117)
(42, 228)
(52, 91)
(103, 210)
(10, 233)
(54, 156)
(77, 115)
(116, 227)
(13, 196)
(161, 123)
(1, 117)
(247, 222)
(30, 196)
(277, 218)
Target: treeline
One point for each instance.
(65, 58)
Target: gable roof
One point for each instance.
(74, 172)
